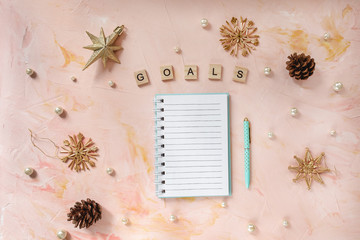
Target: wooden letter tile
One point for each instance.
(167, 73)
(215, 71)
(141, 77)
(240, 74)
(191, 72)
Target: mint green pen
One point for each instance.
(247, 151)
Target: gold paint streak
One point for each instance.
(183, 228)
(336, 45)
(189, 199)
(346, 10)
(70, 57)
(60, 188)
(32, 233)
(38, 209)
(299, 41)
(136, 150)
(76, 106)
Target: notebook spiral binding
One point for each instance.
(160, 170)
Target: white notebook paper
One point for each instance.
(192, 146)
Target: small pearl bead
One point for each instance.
(204, 22)
(270, 135)
(326, 36)
(251, 227)
(223, 205)
(110, 171)
(29, 71)
(173, 218)
(285, 223)
(267, 71)
(177, 49)
(73, 79)
(332, 132)
(293, 112)
(59, 110)
(125, 221)
(337, 86)
(111, 83)
(29, 171)
(61, 234)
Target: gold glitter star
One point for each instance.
(102, 46)
(309, 168)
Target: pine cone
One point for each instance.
(84, 213)
(300, 66)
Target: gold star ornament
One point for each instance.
(309, 168)
(102, 46)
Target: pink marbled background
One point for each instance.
(48, 36)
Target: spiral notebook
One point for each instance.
(192, 145)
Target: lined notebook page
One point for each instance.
(192, 145)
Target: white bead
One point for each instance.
(177, 49)
(111, 83)
(293, 112)
(326, 36)
(223, 205)
(29, 71)
(125, 221)
(61, 234)
(73, 79)
(270, 135)
(251, 227)
(285, 223)
(204, 22)
(337, 86)
(110, 171)
(173, 218)
(332, 132)
(59, 110)
(267, 71)
(29, 171)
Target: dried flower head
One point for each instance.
(78, 153)
(239, 35)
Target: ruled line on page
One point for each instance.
(179, 178)
(187, 104)
(208, 183)
(193, 160)
(193, 155)
(192, 115)
(192, 109)
(192, 172)
(187, 189)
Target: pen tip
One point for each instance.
(246, 119)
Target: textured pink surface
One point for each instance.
(48, 36)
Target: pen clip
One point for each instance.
(249, 133)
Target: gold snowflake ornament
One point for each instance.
(239, 35)
(103, 47)
(309, 168)
(78, 153)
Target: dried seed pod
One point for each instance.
(301, 67)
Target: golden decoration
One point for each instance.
(78, 153)
(239, 35)
(102, 46)
(309, 168)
